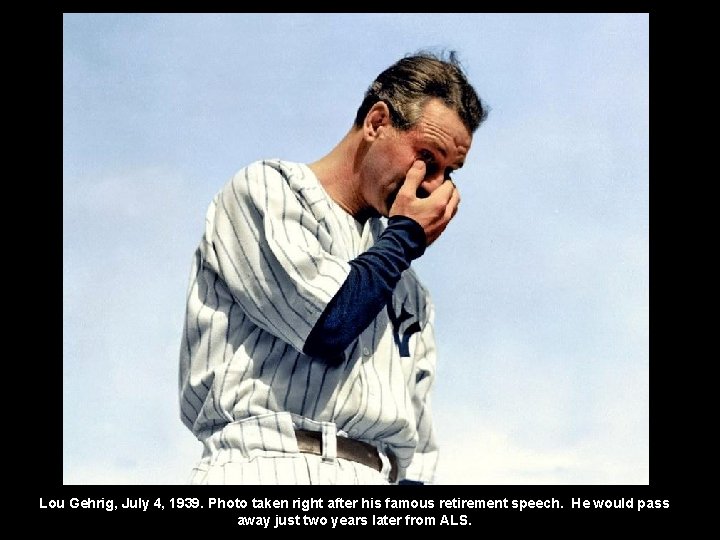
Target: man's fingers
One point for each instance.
(415, 176)
(453, 204)
(444, 192)
(433, 212)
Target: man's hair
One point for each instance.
(407, 85)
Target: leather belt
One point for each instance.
(310, 442)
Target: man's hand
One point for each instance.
(433, 212)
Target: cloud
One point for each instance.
(491, 457)
(519, 409)
(167, 466)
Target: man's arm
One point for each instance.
(367, 289)
(311, 299)
(414, 224)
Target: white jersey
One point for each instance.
(275, 251)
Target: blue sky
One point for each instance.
(540, 282)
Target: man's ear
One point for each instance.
(377, 120)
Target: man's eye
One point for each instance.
(430, 165)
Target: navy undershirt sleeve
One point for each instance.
(367, 289)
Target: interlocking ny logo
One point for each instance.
(404, 342)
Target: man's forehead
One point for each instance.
(451, 143)
(442, 126)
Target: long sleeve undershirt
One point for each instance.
(367, 289)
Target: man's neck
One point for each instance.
(339, 175)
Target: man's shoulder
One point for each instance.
(283, 167)
(277, 188)
(279, 173)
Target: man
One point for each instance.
(308, 352)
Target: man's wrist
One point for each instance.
(409, 233)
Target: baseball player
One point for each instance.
(308, 352)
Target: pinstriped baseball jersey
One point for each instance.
(275, 250)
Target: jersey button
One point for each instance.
(366, 351)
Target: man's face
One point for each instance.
(439, 138)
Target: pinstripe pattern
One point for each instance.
(284, 470)
(274, 252)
